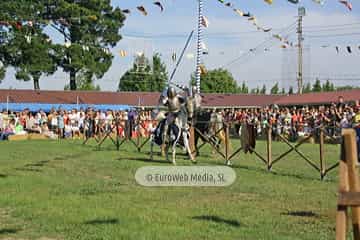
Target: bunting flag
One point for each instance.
(349, 49)
(269, 1)
(142, 10)
(278, 36)
(321, 2)
(126, 11)
(173, 57)
(229, 4)
(140, 53)
(347, 4)
(190, 56)
(123, 53)
(337, 49)
(203, 69)
(204, 21)
(67, 44)
(159, 5)
(294, 1)
(238, 11)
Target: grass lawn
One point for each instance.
(64, 190)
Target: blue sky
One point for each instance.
(230, 36)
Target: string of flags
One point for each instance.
(143, 10)
(251, 18)
(349, 49)
(346, 3)
(285, 43)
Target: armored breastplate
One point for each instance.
(174, 104)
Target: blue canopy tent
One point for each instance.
(46, 107)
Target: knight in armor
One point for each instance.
(177, 112)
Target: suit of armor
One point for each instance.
(176, 111)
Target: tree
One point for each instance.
(244, 88)
(347, 87)
(328, 87)
(89, 29)
(275, 89)
(22, 43)
(307, 88)
(317, 86)
(263, 90)
(283, 91)
(2, 71)
(217, 81)
(255, 90)
(84, 83)
(291, 90)
(31, 59)
(144, 78)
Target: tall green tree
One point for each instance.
(317, 86)
(275, 89)
(347, 87)
(2, 71)
(89, 29)
(307, 88)
(328, 87)
(32, 58)
(255, 90)
(23, 45)
(291, 90)
(283, 91)
(263, 89)
(84, 83)
(244, 88)
(217, 81)
(143, 77)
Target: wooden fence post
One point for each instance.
(341, 214)
(227, 139)
(322, 163)
(192, 140)
(349, 187)
(354, 184)
(269, 147)
(117, 134)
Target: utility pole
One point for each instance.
(301, 14)
(199, 47)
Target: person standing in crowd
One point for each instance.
(61, 124)
(8, 131)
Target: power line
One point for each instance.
(331, 30)
(260, 45)
(332, 35)
(330, 26)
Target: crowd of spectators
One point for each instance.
(72, 124)
(299, 121)
(290, 121)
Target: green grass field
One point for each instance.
(64, 190)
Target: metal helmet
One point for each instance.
(194, 90)
(171, 93)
